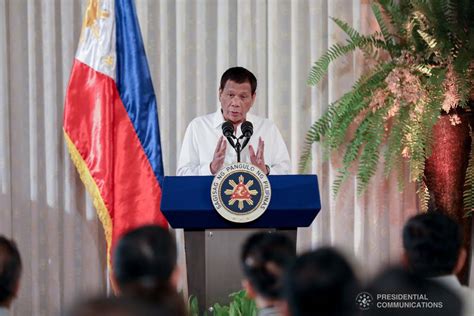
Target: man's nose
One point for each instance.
(235, 102)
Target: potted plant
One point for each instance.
(413, 104)
(240, 304)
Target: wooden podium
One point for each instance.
(213, 244)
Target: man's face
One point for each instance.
(236, 100)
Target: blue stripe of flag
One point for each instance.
(135, 85)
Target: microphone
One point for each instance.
(247, 131)
(228, 129)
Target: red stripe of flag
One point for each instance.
(99, 126)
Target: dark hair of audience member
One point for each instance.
(321, 283)
(239, 75)
(264, 259)
(432, 243)
(144, 261)
(438, 299)
(10, 270)
(119, 306)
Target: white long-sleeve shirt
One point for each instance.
(202, 134)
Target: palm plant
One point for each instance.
(421, 62)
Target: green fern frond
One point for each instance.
(380, 20)
(353, 148)
(464, 90)
(444, 31)
(322, 64)
(341, 113)
(450, 9)
(417, 154)
(369, 157)
(346, 115)
(435, 23)
(351, 154)
(355, 36)
(342, 175)
(367, 44)
(422, 68)
(314, 134)
(321, 126)
(317, 130)
(349, 30)
(375, 40)
(348, 108)
(395, 142)
(420, 146)
(423, 196)
(464, 76)
(396, 14)
(305, 159)
(420, 127)
(429, 40)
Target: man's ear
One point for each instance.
(175, 277)
(248, 288)
(220, 94)
(461, 261)
(254, 97)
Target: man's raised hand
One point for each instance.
(219, 155)
(258, 158)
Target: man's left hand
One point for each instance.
(258, 159)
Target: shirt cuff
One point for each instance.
(205, 170)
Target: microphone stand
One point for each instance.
(237, 145)
(238, 149)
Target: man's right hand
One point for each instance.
(219, 155)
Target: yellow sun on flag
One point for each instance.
(91, 17)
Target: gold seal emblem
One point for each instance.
(240, 192)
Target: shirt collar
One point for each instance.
(448, 280)
(217, 118)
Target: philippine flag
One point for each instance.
(111, 121)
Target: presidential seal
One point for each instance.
(240, 192)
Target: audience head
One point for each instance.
(437, 299)
(264, 259)
(121, 306)
(239, 75)
(433, 245)
(10, 271)
(321, 282)
(144, 263)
